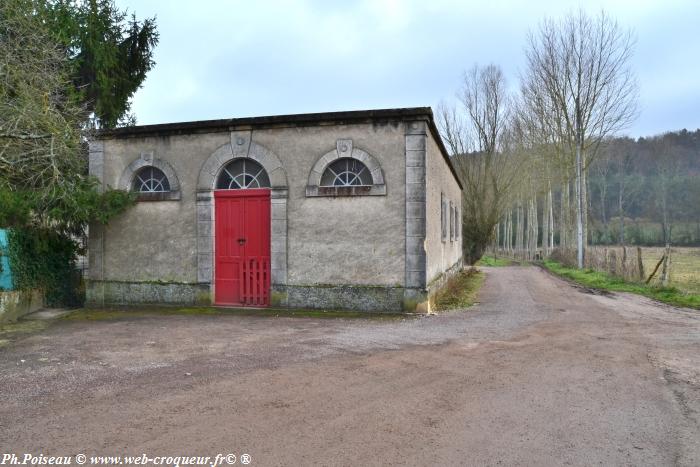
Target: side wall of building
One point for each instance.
(443, 252)
(338, 252)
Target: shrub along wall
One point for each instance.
(45, 260)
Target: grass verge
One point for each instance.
(494, 262)
(603, 281)
(460, 291)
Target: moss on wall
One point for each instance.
(15, 304)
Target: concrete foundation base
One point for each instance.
(330, 297)
(99, 293)
(15, 304)
(340, 297)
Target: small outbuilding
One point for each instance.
(345, 210)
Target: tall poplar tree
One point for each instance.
(579, 82)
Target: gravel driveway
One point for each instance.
(540, 373)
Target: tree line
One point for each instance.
(647, 191)
(539, 165)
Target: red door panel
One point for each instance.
(242, 247)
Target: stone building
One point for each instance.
(346, 210)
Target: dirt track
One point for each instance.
(540, 373)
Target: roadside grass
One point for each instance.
(495, 262)
(685, 266)
(603, 281)
(460, 291)
(492, 261)
(89, 314)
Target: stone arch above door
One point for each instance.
(242, 146)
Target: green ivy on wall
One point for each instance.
(45, 260)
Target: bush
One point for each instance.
(45, 260)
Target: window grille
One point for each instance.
(241, 174)
(150, 180)
(346, 172)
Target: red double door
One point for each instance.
(242, 247)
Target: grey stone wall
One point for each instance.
(317, 240)
(441, 255)
(155, 241)
(342, 240)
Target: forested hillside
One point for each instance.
(646, 191)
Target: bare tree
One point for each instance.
(579, 84)
(479, 136)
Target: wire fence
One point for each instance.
(624, 262)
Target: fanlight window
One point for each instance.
(346, 172)
(242, 173)
(151, 180)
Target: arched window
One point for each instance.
(150, 180)
(346, 172)
(242, 173)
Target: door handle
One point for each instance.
(241, 241)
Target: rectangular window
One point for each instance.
(458, 230)
(443, 217)
(452, 222)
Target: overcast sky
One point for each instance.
(230, 58)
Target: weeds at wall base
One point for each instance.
(460, 291)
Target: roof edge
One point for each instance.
(305, 119)
(266, 121)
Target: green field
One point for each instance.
(685, 266)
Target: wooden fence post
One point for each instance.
(665, 271)
(640, 264)
(612, 268)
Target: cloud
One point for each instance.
(219, 59)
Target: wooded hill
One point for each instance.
(646, 191)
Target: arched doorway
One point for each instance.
(242, 234)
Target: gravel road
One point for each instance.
(539, 373)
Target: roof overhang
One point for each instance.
(282, 121)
